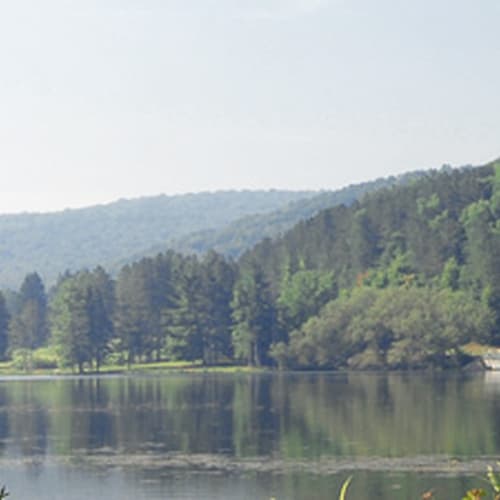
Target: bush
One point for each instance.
(42, 358)
(22, 359)
(45, 358)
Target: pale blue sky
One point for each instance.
(102, 99)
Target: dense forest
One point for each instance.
(400, 279)
(243, 234)
(113, 235)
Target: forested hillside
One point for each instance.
(417, 272)
(402, 279)
(73, 239)
(241, 235)
(112, 235)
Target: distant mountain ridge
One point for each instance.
(238, 236)
(51, 243)
(230, 222)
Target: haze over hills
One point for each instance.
(51, 243)
(237, 237)
(229, 222)
(402, 278)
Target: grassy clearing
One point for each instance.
(179, 366)
(9, 368)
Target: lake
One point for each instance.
(241, 436)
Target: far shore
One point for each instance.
(6, 369)
(164, 367)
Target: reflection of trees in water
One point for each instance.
(293, 416)
(256, 421)
(188, 414)
(24, 423)
(393, 415)
(4, 418)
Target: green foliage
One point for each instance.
(70, 324)
(279, 352)
(391, 328)
(241, 235)
(28, 326)
(45, 358)
(22, 359)
(253, 315)
(400, 279)
(343, 489)
(385, 225)
(229, 222)
(81, 318)
(450, 277)
(302, 295)
(218, 279)
(4, 326)
(473, 494)
(494, 479)
(120, 232)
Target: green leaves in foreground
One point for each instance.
(473, 494)
(494, 480)
(343, 490)
(3, 493)
(478, 493)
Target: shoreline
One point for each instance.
(193, 368)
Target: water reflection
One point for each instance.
(311, 418)
(290, 416)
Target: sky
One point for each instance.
(109, 99)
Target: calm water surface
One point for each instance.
(218, 436)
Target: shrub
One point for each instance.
(45, 358)
(42, 358)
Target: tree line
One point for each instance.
(400, 279)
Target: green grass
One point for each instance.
(9, 368)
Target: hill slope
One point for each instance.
(242, 234)
(404, 278)
(423, 224)
(72, 239)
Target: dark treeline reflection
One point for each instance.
(289, 416)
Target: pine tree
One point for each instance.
(4, 324)
(253, 315)
(29, 328)
(70, 321)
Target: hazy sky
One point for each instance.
(102, 99)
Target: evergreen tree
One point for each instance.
(100, 307)
(4, 323)
(218, 282)
(143, 291)
(182, 319)
(29, 328)
(130, 313)
(253, 316)
(70, 322)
